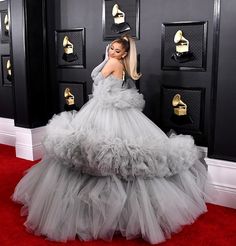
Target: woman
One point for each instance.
(108, 169)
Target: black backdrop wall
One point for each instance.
(222, 143)
(6, 96)
(29, 59)
(88, 14)
(209, 92)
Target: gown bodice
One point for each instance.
(108, 84)
(113, 92)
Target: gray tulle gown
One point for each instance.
(108, 169)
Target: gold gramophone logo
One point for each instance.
(180, 108)
(68, 46)
(6, 23)
(182, 51)
(69, 55)
(9, 68)
(69, 97)
(182, 44)
(119, 16)
(119, 25)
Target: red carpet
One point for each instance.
(215, 228)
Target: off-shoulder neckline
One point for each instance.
(112, 76)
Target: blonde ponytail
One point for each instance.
(130, 61)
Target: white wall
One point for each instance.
(27, 142)
(7, 132)
(222, 182)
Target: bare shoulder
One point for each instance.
(112, 66)
(109, 65)
(114, 62)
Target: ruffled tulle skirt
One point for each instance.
(110, 169)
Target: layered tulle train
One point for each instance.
(62, 204)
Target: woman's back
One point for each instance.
(114, 67)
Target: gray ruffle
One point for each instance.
(98, 155)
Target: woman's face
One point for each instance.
(117, 51)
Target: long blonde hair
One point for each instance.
(130, 60)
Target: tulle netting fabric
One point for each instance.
(62, 204)
(108, 169)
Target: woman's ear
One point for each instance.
(125, 54)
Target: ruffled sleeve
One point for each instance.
(96, 75)
(129, 98)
